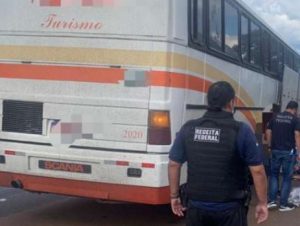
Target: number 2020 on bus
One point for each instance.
(133, 134)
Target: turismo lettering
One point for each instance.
(53, 22)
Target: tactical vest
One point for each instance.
(216, 172)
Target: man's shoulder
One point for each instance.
(187, 125)
(286, 114)
(243, 124)
(192, 122)
(244, 128)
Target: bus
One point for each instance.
(93, 92)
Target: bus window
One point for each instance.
(274, 55)
(280, 60)
(255, 52)
(266, 51)
(215, 24)
(296, 63)
(245, 39)
(231, 30)
(197, 23)
(288, 58)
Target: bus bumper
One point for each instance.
(88, 189)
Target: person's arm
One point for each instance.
(269, 138)
(174, 179)
(297, 139)
(253, 157)
(177, 157)
(260, 184)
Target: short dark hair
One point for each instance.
(219, 95)
(292, 105)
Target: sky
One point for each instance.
(281, 15)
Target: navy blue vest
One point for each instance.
(216, 173)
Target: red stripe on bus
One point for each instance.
(50, 2)
(122, 163)
(148, 165)
(117, 192)
(61, 73)
(9, 152)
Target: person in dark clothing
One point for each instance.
(283, 137)
(218, 151)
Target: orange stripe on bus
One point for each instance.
(88, 189)
(61, 73)
(108, 75)
(247, 114)
(177, 80)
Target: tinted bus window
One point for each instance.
(245, 39)
(215, 24)
(266, 51)
(274, 55)
(231, 30)
(255, 52)
(288, 58)
(197, 23)
(296, 63)
(280, 59)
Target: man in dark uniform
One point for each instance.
(218, 151)
(283, 136)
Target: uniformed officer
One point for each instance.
(283, 135)
(218, 151)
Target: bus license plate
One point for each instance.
(65, 166)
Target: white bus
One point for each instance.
(92, 92)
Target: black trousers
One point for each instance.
(232, 217)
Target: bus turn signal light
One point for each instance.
(159, 132)
(159, 119)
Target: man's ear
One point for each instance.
(232, 103)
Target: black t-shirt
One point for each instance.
(283, 127)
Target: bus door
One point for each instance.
(290, 85)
